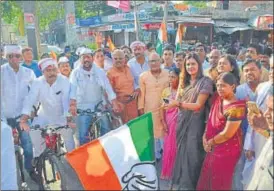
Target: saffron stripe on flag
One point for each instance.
(93, 167)
(116, 160)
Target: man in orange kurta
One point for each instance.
(122, 83)
(152, 83)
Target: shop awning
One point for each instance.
(264, 22)
(230, 27)
(195, 20)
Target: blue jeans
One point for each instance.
(83, 123)
(26, 144)
(158, 147)
(238, 176)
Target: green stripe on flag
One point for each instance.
(141, 130)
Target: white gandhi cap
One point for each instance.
(46, 62)
(86, 51)
(63, 59)
(12, 49)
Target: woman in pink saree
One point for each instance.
(169, 120)
(222, 139)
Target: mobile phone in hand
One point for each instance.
(252, 107)
(166, 101)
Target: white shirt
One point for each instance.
(206, 65)
(54, 101)
(137, 69)
(262, 178)
(76, 64)
(14, 89)
(87, 87)
(8, 164)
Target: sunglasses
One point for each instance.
(14, 55)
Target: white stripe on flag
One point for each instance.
(124, 156)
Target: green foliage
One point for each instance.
(92, 46)
(197, 4)
(49, 11)
(81, 10)
(10, 12)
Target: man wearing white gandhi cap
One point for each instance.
(52, 91)
(88, 83)
(138, 64)
(64, 66)
(15, 84)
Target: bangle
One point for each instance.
(266, 133)
(213, 141)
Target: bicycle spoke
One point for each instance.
(51, 175)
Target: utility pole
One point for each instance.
(69, 21)
(165, 15)
(165, 12)
(38, 40)
(136, 21)
(29, 8)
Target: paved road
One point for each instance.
(164, 185)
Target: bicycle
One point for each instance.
(51, 159)
(99, 112)
(14, 124)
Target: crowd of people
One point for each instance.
(206, 135)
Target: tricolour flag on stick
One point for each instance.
(110, 44)
(179, 37)
(123, 159)
(162, 38)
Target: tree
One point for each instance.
(85, 9)
(47, 12)
(10, 12)
(197, 4)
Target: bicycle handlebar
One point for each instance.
(49, 127)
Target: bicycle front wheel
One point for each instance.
(94, 130)
(51, 172)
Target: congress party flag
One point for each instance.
(123, 159)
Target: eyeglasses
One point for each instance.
(117, 58)
(153, 61)
(14, 55)
(199, 50)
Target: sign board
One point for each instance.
(156, 26)
(265, 22)
(122, 26)
(29, 20)
(104, 28)
(89, 21)
(126, 17)
(70, 19)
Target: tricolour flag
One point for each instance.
(179, 37)
(110, 44)
(162, 38)
(123, 159)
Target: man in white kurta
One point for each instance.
(52, 91)
(88, 84)
(8, 164)
(262, 176)
(15, 83)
